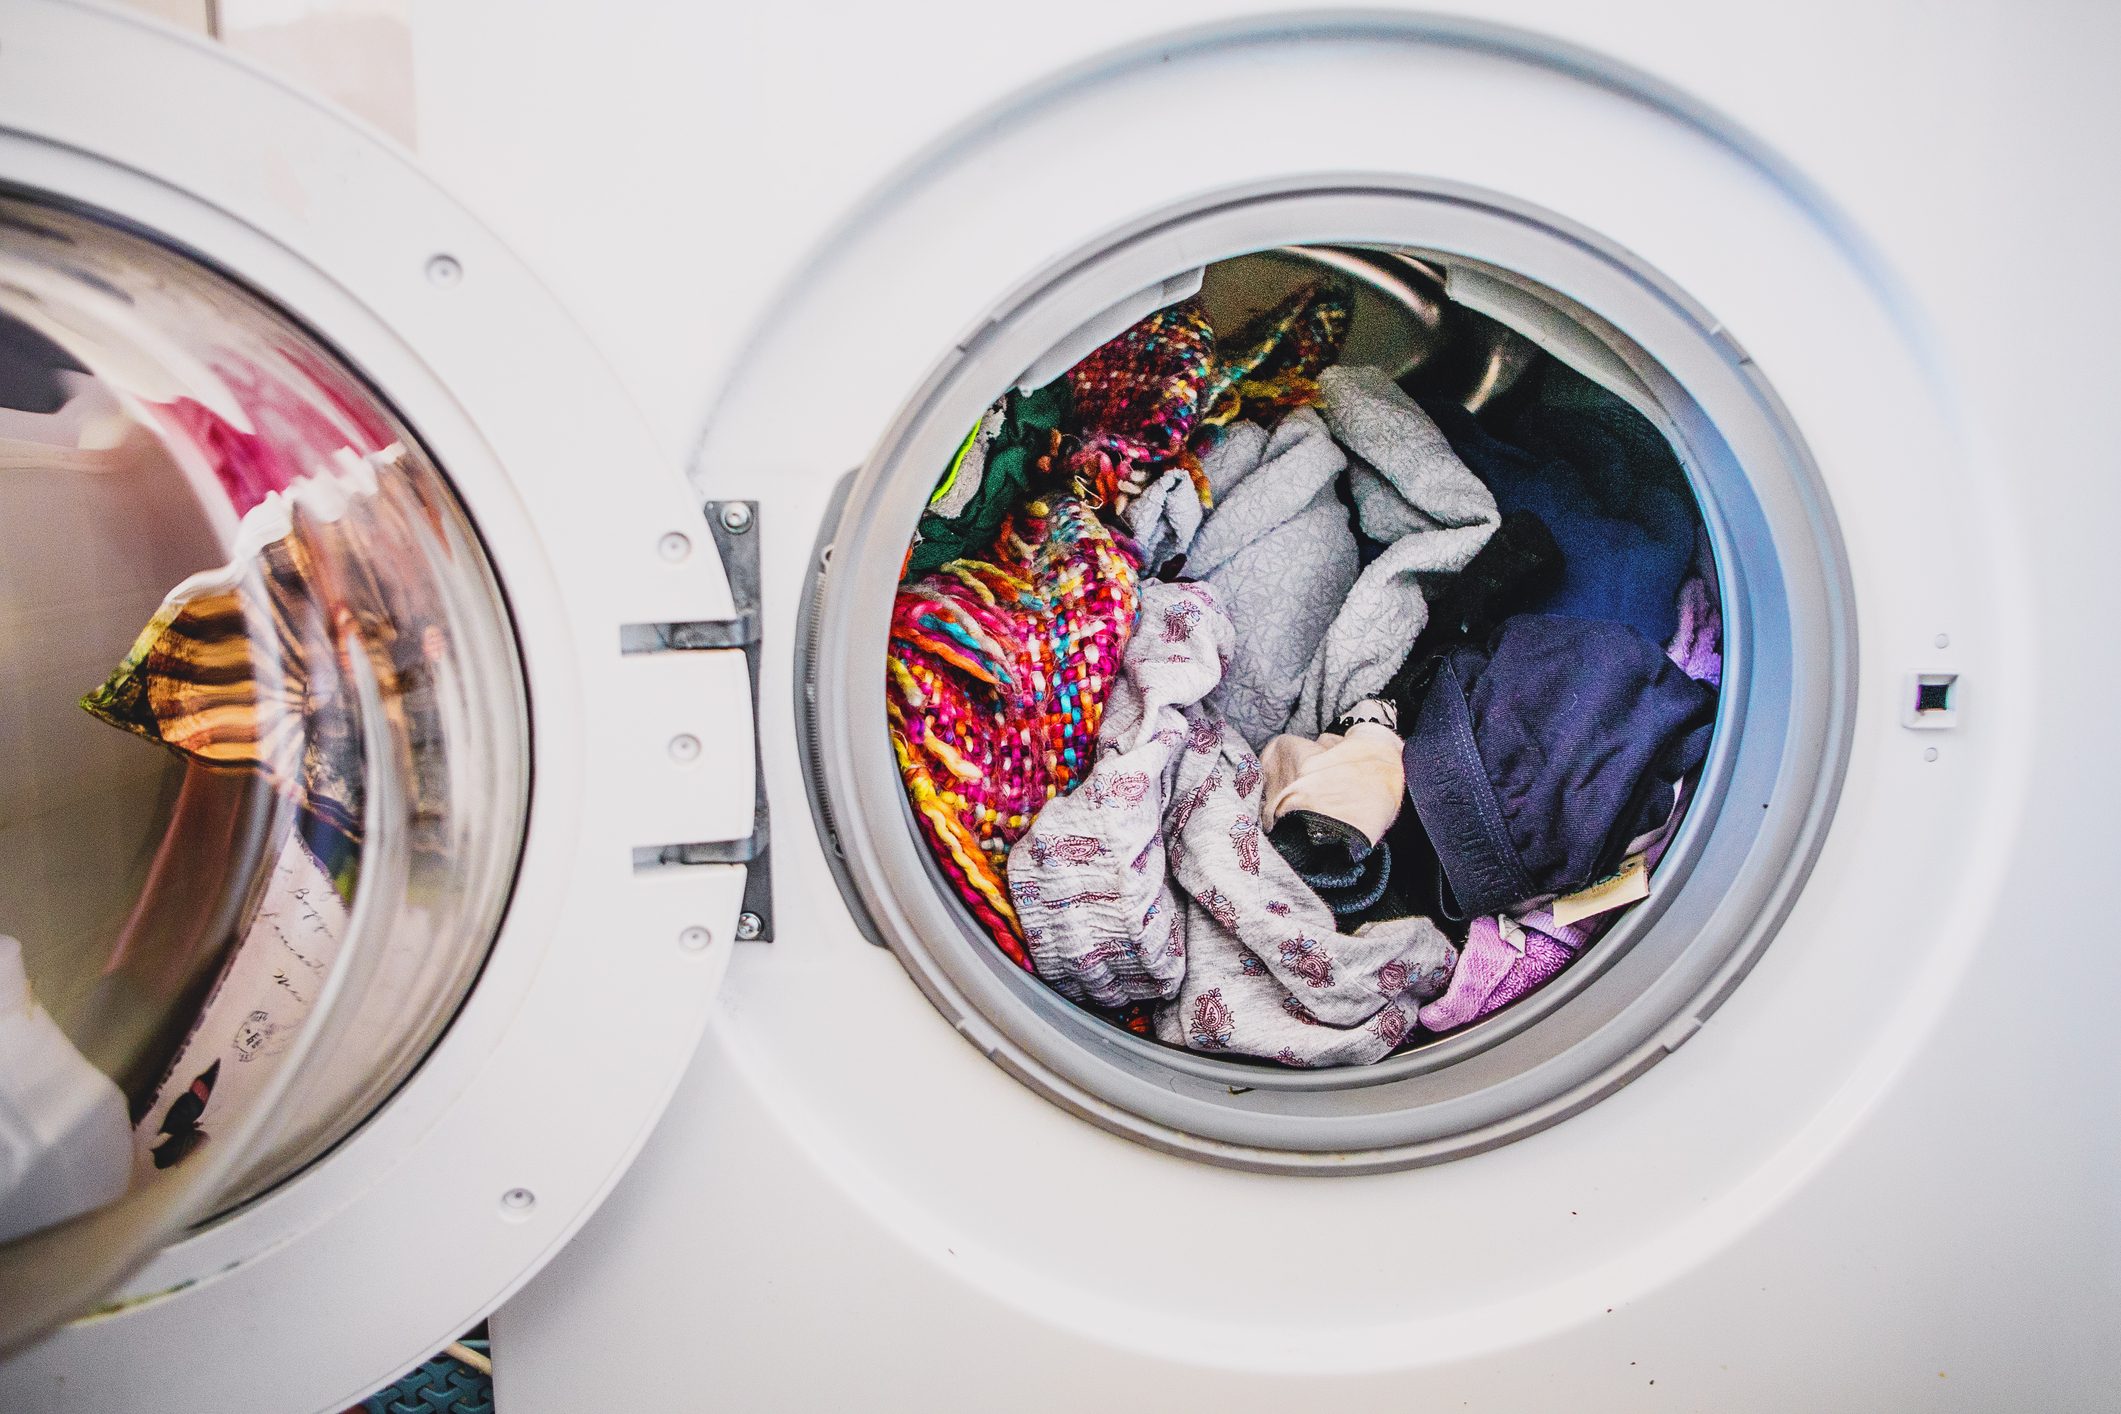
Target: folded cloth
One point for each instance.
(1272, 363)
(1234, 1000)
(1356, 778)
(997, 674)
(1098, 907)
(1412, 884)
(1164, 519)
(1536, 759)
(1281, 555)
(1412, 495)
(1010, 450)
(1345, 870)
(1565, 416)
(1139, 397)
(1518, 566)
(1626, 531)
(1503, 960)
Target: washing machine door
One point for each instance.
(380, 801)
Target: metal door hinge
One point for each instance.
(735, 528)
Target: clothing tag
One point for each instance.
(1628, 884)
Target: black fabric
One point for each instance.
(1564, 415)
(1519, 566)
(1411, 890)
(1534, 760)
(1013, 462)
(1342, 868)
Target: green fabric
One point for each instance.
(1026, 435)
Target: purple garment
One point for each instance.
(1698, 645)
(1501, 961)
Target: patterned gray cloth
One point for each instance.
(1413, 495)
(1233, 1002)
(1262, 970)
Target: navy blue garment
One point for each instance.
(1625, 530)
(1345, 870)
(1535, 760)
(1560, 413)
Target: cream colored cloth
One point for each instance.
(1357, 779)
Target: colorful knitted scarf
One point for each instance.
(1139, 398)
(1272, 364)
(997, 676)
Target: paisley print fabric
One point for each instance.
(1150, 881)
(1090, 881)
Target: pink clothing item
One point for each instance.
(299, 422)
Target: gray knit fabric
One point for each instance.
(1279, 550)
(1413, 495)
(1263, 970)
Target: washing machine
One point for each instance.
(1819, 1124)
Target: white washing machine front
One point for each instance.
(1812, 1141)
(1781, 1211)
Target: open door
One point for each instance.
(381, 800)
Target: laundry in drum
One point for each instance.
(1299, 710)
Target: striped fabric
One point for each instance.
(221, 673)
(244, 669)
